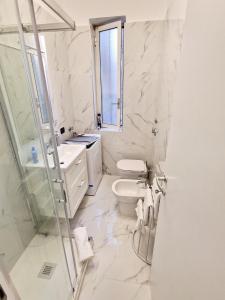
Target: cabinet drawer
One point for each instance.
(75, 169)
(77, 192)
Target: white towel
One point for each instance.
(84, 248)
(147, 203)
(139, 212)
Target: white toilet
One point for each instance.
(127, 190)
(132, 168)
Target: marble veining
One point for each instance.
(152, 51)
(13, 75)
(60, 85)
(115, 272)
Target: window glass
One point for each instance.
(108, 44)
(40, 91)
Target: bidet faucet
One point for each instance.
(142, 181)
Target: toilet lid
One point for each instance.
(132, 165)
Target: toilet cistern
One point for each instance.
(132, 168)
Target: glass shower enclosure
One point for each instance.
(37, 257)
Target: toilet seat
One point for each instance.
(132, 165)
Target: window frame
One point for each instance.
(32, 54)
(120, 70)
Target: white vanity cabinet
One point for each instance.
(73, 165)
(75, 179)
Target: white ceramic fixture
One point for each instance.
(128, 191)
(131, 168)
(94, 158)
(73, 165)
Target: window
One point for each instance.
(39, 88)
(36, 74)
(108, 55)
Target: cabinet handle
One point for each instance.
(78, 163)
(81, 184)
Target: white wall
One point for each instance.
(189, 261)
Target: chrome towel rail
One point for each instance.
(144, 236)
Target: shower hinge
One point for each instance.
(57, 180)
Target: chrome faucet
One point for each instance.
(143, 181)
(155, 131)
(163, 179)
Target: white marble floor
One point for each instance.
(115, 272)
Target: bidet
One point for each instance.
(127, 191)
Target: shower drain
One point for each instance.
(47, 270)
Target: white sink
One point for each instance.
(67, 154)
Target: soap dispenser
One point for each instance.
(34, 155)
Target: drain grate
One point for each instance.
(47, 270)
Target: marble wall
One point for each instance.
(152, 51)
(16, 226)
(151, 54)
(80, 67)
(59, 80)
(58, 75)
(15, 84)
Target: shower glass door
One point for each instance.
(35, 243)
(29, 208)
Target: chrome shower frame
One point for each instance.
(68, 23)
(33, 28)
(59, 179)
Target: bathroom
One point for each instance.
(111, 156)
